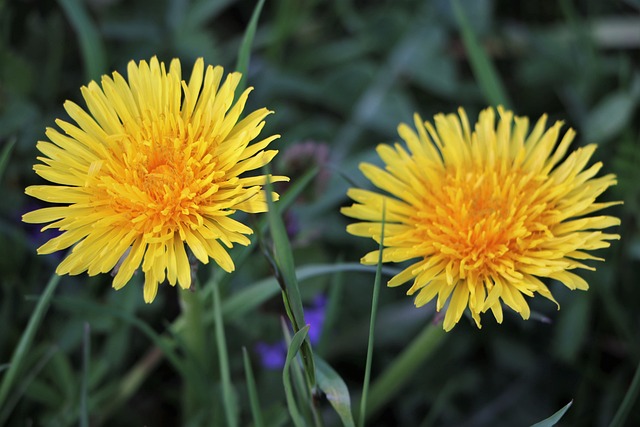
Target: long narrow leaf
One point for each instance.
(160, 341)
(245, 48)
(481, 65)
(24, 345)
(252, 296)
(297, 341)
(25, 382)
(93, 51)
(372, 322)
(553, 419)
(630, 399)
(336, 391)
(286, 275)
(4, 156)
(252, 390)
(228, 394)
(84, 389)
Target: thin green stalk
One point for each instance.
(245, 47)
(91, 46)
(294, 346)
(4, 155)
(282, 262)
(130, 383)
(230, 407)
(372, 323)
(19, 354)
(302, 387)
(193, 340)
(84, 389)
(254, 403)
(485, 73)
(194, 333)
(25, 382)
(629, 400)
(394, 377)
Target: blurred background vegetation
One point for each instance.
(340, 75)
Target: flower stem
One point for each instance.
(24, 345)
(228, 394)
(372, 323)
(194, 342)
(627, 403)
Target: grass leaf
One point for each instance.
(630, 398)
(93, 51)
(4, 156)
(286, 275)
(336, 391)
(553, 419)
(228, 394)
(245, 47)
(299, 338)
(252, 390)
(372, 321)
(84, 390)
(24, 345)
(483, 69)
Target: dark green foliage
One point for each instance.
(342, 73)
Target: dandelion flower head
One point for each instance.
(485, 215)
(153, 164)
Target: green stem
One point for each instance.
(227, 388)
(372, 324)
(404, 366)
(19, 355)
(483, 69)
(193, 336)
(84, 389)
(627, 403)
(254, 403)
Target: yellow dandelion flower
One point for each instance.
(154, 163)
(486, 213)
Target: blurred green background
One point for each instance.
(340, 75)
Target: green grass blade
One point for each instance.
(25, 382)
(93, 51)
(84, 393)
(129, 385)
(286, 275)
(161, 342)
(228, 394)
(24, 344)
(553, 419)
(254, 403)
(403, 366)
(482, 67)
(254, 295)
(372, 323)
(4, 156)
(336, 391)
(245, 47)
(299, 338)
(619, 420)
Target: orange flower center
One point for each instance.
(482, 220)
